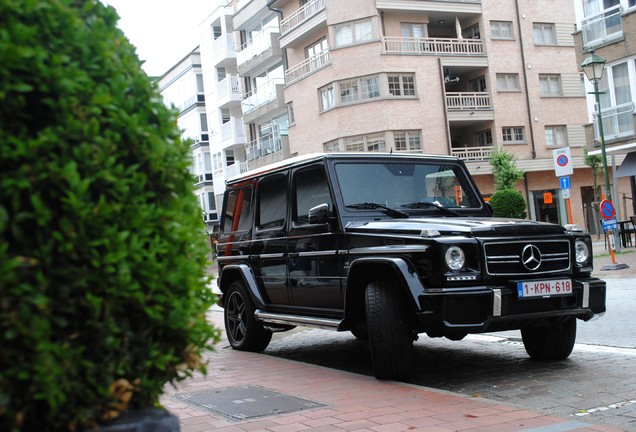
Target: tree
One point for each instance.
(504, 170)
(103, 290)
(596, 163)
(508, 203)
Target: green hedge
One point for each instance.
(102, 251)
(508, 203)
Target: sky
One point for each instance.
(164, 31)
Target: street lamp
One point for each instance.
(593, 67)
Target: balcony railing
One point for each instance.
(432, 46)
(307, 67)
(264, 146)
(467, 101)
(473, 153)
(601, 26)
(260, 96)
(230, 86)
(618, 122)
(234, 130)
(235, 169)
(223, 45)
(301, 15)
(259, 44)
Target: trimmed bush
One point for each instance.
(508, 203)
(103, 291)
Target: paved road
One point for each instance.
(596, 384)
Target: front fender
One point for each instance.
(243, 272)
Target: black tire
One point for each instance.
(390, 334)
(243, 331)
(553, 342)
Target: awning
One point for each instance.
(628, 166)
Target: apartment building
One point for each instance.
(183, 87)
(608, 29)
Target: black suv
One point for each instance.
(388, 246)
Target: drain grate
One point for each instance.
(246, 402)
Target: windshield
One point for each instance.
(405, 185)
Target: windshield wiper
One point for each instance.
(428, 204)
(372, 206)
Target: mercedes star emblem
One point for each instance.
(531, 257)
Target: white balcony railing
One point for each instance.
(261, 96)
(224, 45)
(233, 130)
(301, 15)
(467, 101)
(602, 26)
(260, 43)
(618, 122)
(473, 153)
(264, 146)
(235, 169)
(307, 67)
(432, 46)
(230, 86)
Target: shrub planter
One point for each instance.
(146, 420)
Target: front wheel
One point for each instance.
(552, 342)
(389, 331)
(243, 331)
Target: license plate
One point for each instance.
(544, 288)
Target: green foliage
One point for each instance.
(596, 163)
(103, 290)
(504, 169)
(508, 203)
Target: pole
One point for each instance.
(608, 193)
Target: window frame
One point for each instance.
(557, 130)
(261, 188)
(549, 79)
(499, 25)
(513, 132)
(506, 76)
(354, 38)
(400, 85)
(543, 26)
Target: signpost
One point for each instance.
(608, 214)
(563, 169)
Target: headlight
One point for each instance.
(455, 258)
(582, 252)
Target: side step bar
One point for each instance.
(297, 320)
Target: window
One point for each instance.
(354, 143)
(370, 87)
(501, 29)
(316, 48)
(550, 85)
(512, 135)
(238, 209)
(312, 189)
(407, 140)
(402, 85)
(556, 136)
(349, 91)
(507, 82)
(484, 138)
(272, 201)
(544, 34)
(376, 143)
(326, 98)
(353, 32)
(331, 146)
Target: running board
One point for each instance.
(297, 320)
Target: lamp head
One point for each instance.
(593, 66)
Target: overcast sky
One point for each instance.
(164, 31)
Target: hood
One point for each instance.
(475, 226)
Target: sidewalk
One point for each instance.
(602, 258)
(256, 392)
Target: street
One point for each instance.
(596, 384)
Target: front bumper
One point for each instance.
(482, 309)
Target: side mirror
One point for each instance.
(319, 214)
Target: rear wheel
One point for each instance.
(552, 342)
(244, 332)
(390, 334)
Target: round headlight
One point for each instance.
(455, 258)
(582, 251)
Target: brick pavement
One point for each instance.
(349, 402)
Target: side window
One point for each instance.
(272, 201)
(310, 189)
(238, 210)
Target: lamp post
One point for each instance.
(593, 67)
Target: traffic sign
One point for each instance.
(565, 193)
(606, 208)
(609, 224)
(562, 162)
(565, 182)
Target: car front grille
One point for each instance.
(524, 257)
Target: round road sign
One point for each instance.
(607, 210)
(562, 160)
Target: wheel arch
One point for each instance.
(241, 272)
(364, 270)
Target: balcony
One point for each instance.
(432, 46)
(469, 106)
(228, 91)
(232, 133)
(618, 122)
(302, 15)
(473, 153)
(263, 99)
(223, 50)
(602, 28)
(263, 47)
(264, 146)
(307, 67)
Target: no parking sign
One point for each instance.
(562, 162)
